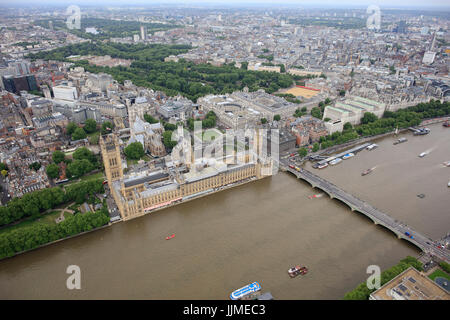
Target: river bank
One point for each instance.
(253, 232)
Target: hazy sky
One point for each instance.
(309, 3)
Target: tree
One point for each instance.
(169, 126)
(263, 120)
(150, 119)
(4, 172)
(84, 153)
(78, 134)
(90, 126)
(302, 152)
(316, 112)
(210, 120)
(167, 140)
(392, 70)
(316, 147)
(35, 166)
(342, 93)
(71, 128)
(445, 266)
(80, 167)
(348, 126)
(58, 156)
(52, 171)
(94, 138)
(3, 166)
(135, 150)
(277, 117)
(107, 127)
(368, 117)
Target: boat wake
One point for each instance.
(319, 195)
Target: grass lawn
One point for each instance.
(208, 134)
(439, 273)
(48, 218)
(92, 176)
(93, 133)
(133, 161)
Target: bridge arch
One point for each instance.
(323, 190)
(362, 214)
(306, 180)
(382, 226)
(292, 173)
(410, 242)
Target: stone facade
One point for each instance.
(137, 195)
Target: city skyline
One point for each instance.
(326, 4)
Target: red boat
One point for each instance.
(170, 237)
(291, 166)
(295, 271)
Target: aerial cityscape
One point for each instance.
(225, 151)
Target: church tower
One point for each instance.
(111, 157)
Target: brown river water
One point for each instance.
(254, 232)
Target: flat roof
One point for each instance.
(348, 106)
(369, 101)
(411, 285)
(340, 110)
(140, 180)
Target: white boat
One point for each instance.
(447, 163)
(323, 166)
(348, 155)
(250, 288)
(423, 154)
(335, 161)
(372, 146)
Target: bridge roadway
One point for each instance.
(426, 244)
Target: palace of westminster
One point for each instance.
(185, 177)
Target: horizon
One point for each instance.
(319, 4)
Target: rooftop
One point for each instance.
(134, 181)
(411, 285)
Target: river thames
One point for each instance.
(254, 232)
